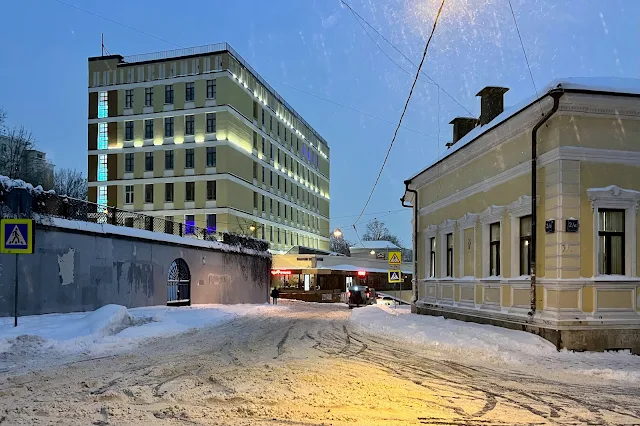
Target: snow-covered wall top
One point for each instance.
(8, 184)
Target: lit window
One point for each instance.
(189, 93)
(168, 127)
(211, 89)
(211, 123)
(103, 105)
(102, 168)
(525, 241)
(211, 156)
(494, 249)
(128, 194)
(102, 195)
(148, 96)
(211, 190)
(611, 241)
(190, 191)
(103, 136)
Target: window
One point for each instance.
(271, 125)
(103, 105)
(278, 155)
(128, 98)
(255, 141)
(168, 127)
(128, 162)
(449, 255)
(148, 129)
(211, 190)
(188, 125)
(148, 161)
(168, 94)
(168, 224)
(525, 240)
(278, 179)
(103, 137)
(278, 208)
(494, 249)
(611, 241)
(168, 159)
(189, 224)
(148, 96)
(278, 124)
(102, 168)
(271, 205)
(211, 156)
(255, 170)
(168, 192)
(263, 146)
(432, 257)
(271, 179)
(128, 130)
(211, 123)
(211, 223)
(263, 118)
(128, 194)
(148, 193)
(190, 191)
(263, 204)
(188, 159)
(271, 151)
(189, 92)
(255, 200)
(263, 172)
(285, 134)
(211, 89)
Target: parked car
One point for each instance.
(359, 295)
(385, 300)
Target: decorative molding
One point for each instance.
(492, 214)
(447, 227)
(430, 231)
(520, 207)
(469, 220)
(614, 196)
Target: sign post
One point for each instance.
(16, 237)
(395, 276)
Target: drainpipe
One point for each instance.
(414, 281)
(556, 94)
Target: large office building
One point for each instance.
(197, 136)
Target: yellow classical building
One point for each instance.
(530, 219)
(198, 137)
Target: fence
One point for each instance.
(48, 204)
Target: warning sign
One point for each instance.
(395, 258)
(16, 236)
(395, 276)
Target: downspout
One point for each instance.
(556, 94)
(414, 281)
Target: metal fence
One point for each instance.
(47, 204)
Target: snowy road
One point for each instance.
(306, 364)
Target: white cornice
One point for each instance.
(469, 220)
(431, 231)
(447, 226)
(520, 207)
(492, 214)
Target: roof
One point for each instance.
(354, 268)
(616, 85)
(375, 245)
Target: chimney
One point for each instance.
(461, 126)
(491, 103)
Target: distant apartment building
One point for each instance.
(20, 162)
(197, 136)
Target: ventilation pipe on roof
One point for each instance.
(491, 103)
(461, 126)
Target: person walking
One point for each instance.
(275, 293)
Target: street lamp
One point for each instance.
(372, 252)
(252, 228)
(337, 233)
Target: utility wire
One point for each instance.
(404, 110)
(524, 52)
(357, 15)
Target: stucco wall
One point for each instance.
(77, 271)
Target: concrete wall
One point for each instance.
(74, 270)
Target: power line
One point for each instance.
(348, 107)
(357, 15)
(404, 110)
(116, 22)
(515, 21)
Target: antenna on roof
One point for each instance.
(104, 49)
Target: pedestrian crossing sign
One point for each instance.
(16, 236)
(395, 258)
(395, 276)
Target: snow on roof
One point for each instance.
(595, 84)
(375, 245)
(8, 184)
(355, 268)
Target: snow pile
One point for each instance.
(494, 344)
(109, 329)
(8, 184)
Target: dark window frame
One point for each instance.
(168, 127)
(608, 237)
(148, 129)
(129, 162)
(148, 193)
(211, 89)
(168, 94)
(189, 92)
(189, 125)
(189, 158)
(189, 191)
(148, 96)
(449, 243)
(525, 241)
(211, 122)
(128, 98)
(148, 161)
(494, 264)
(129, 130)
(168, 192)
(212, 191)
(432, 257)
(212, 159)
(168, 159)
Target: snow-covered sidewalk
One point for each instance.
(110, 329)
(464, 340)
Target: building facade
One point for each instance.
(476, 226)
(197, 136)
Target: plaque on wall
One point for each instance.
(550, 226)
(572, 225)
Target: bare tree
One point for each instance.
(20, 160)
(3, 117)
(70, 182)
(339, 245)
(378, 231)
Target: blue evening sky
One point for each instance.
(319, 47)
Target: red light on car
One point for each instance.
(349, 294)
(362, 273)
(280, 272)
(367, 294)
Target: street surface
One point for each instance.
(304, 366)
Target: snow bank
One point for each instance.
(493, 344)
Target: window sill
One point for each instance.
(189, 172)
(189, 138)
(147, 206)
(148, 174)
(148, 109)
(167, 107)
(127, 175)
(210, 204)
(615, 278)
(210, 170)
(492, 278)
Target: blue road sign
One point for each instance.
(16, 236)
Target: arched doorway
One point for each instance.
(178, 283)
